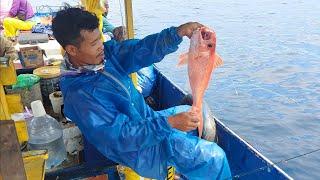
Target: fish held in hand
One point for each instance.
(202, 59)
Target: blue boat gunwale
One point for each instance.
(252, 149)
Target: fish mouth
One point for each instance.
(205, 35)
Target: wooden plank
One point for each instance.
(129, 18)
(14, 103)
(4, 111)
(11, 163)
(130, 32)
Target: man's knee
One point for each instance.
(218, 156)
(219, 152)
(222, 161)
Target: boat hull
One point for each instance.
(244, 160)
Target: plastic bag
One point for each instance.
(25, 81)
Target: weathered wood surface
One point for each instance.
(11, 163)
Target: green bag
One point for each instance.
(26, 81)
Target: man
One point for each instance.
(7, 49)
(4, 10)
(7, 55)
(97, 7)
(113, 116)
(117, 33)
(101, 9)
(20, 18)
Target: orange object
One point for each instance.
(202, 60)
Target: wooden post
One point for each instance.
(129, 18)
(130, 32)
(4, 111)
(11, 163)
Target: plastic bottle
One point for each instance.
(46, 133)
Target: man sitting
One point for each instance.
(101, 99)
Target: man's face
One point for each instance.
(91, 48)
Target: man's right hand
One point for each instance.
(188, 28)
(185, 121)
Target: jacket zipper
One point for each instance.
(117, 81)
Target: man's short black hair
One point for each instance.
(68, 23)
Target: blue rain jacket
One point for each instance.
(114, 118)
(146, 79)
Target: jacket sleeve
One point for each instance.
(106, 127)
(14, 8)
(135, 54)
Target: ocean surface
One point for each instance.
(268, 90)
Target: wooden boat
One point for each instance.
(245, 161)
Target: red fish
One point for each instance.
(202, 59)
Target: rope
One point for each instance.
(120, 6)
(122, 19)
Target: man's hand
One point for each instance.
(188, 28)
(119, 33)
(185, 121)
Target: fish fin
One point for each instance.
(217, 60)
(183, 59)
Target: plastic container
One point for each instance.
(49, 82)
(56, 100)
(28, 86)
(45, 133)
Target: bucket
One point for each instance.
(14, 103)
(7, 72)
(56, 100)
(49, 82)
(27, 94)
(28, 86)
(48, 86)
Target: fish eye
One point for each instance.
(210, 45)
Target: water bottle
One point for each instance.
(46, 133)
